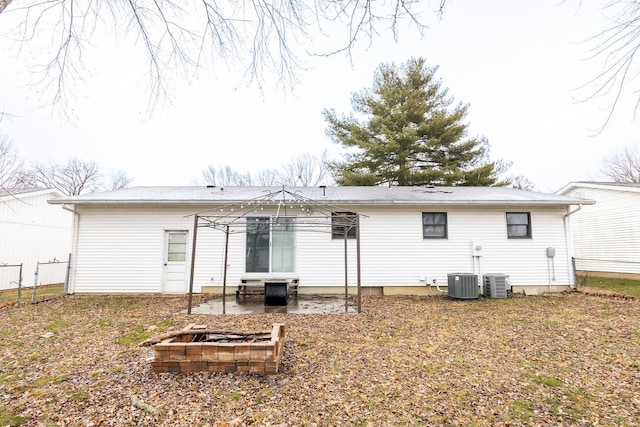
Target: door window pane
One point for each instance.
(177, 247)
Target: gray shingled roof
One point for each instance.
(633, 188)
(332, 195)
(607, 183)
(14, 191)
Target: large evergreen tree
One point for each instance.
(409, 134)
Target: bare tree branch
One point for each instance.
(11, 165)
(118, 180)
(223, 176)
(266, 177)
(72, 178)
(618, 47)
(266, 33)
(623, 167)
(306, 170)
(4, 4)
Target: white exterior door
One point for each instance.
(175, 262)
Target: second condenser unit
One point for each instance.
(496, 285)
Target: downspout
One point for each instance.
(568, 241)
(74, 247)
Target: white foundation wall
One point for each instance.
(120, 250)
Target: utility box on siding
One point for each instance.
(462, 285)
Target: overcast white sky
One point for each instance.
(518, 65)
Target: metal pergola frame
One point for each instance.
(310, 215)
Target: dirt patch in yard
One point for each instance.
(568, 359)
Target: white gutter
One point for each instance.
(74, 246)
(569, 242)
(573, 211)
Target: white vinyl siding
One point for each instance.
(394, 253)
(120, 250)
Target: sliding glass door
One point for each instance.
(270, 245)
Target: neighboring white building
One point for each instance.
(32, 231)
(606, 235)
(139, 240)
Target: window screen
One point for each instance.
(518, 225)
(341, 222)
(434, 225)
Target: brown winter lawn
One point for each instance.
(569, 359)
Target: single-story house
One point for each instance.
(399, 240)
(606, 235)
(32, 231)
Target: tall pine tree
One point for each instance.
(409, 134)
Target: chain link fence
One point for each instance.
(10, 283)
(50, 280)
(586, 268)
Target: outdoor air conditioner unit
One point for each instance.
(462, 285)
(496, 285)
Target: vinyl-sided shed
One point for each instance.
(139, 240)
(606, 236)
(32, 231)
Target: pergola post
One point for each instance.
(193, 261)
(224, 276)
(346, 274)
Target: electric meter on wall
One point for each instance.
(476, 248)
